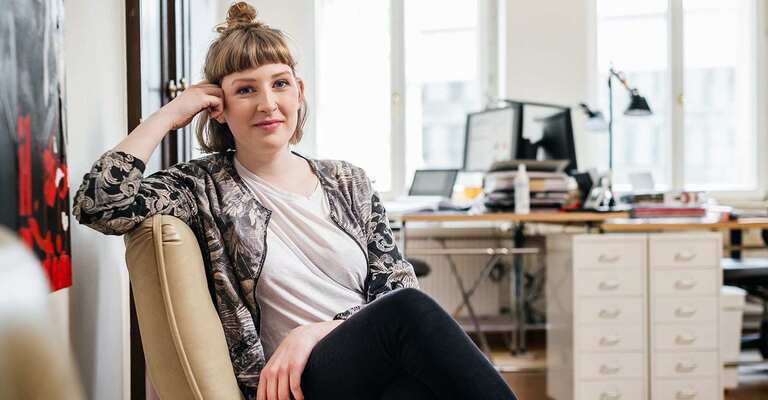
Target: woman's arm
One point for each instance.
(145, 138)
(282, 374)
(114, 195)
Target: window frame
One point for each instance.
(491, 38)
(677, 112)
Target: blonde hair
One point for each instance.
(243, 43)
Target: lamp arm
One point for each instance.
(620, 76)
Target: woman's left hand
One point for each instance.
(281, 377)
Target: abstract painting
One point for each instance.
(34, 196)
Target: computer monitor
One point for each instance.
(556, 141)
(492, 135)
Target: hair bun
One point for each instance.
(239, 14)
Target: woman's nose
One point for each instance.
(266, 102)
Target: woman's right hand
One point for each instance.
(193, 100)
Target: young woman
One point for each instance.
(314, 297)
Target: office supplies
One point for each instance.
(430, 190)
(433, 182)
(491, 135)
(530, 165)
(638, 106)
(641, 181)
(557, 139)
(546, 190)
(522, 191)
(546, 132)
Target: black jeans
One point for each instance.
(402, 346)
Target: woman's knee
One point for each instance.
(411, 302)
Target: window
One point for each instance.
(719, 81)
(702, 134)
(416, 76)
(354, 86)
(442, 84)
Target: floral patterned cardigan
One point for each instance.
(231, 228)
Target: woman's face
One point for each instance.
(261, 107)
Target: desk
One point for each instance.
(518, 221)
(611, 222)
(627, 225)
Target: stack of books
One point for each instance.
(664, 205)
(549, 190)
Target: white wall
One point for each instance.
(94, 56)
(549, 58)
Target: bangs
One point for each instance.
(246, 49)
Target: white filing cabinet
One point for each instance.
(685, 276)
(633, 316)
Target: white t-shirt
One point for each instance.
(313, 270)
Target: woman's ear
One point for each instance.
(220, 119)
(300, 85)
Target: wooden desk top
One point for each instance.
(552, 217)
(608, 222)
(676, 224)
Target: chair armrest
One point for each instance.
(183, 340)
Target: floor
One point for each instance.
(527, 375)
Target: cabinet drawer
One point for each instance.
(611, 338)
(611, 282)
(685, 365)
(693, 252)
(684, 337)
(612, 390)
(611, 365)
(611, 311)
(687, 389)
(686, 282)
(609, 254)
(685, 309)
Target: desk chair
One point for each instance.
(420, 267)
(751, 274)
(182, 336)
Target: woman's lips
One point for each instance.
(269, 126)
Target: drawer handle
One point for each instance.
(685, 339)
(609, 285)
(685, 284)
(612, 395)
(609, 314)
(610, 369)
(687, 394)
(685, 367)
(610, 340)
(605, 258)
(685, 312)
(684, 256)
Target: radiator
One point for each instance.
(441, 284)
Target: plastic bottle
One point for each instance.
(522, 191)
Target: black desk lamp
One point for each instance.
(601, 195)
(638, 106)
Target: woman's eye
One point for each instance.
(281, 83)
(245, 90)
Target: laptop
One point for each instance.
(431, 189)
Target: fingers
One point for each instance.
(215, 106)
(261, 392)
(283, 388)
(295, 382)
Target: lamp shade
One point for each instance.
(638, 105)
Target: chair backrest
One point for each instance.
(34, 362)
(183, 340)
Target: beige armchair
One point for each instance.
(183, 339)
